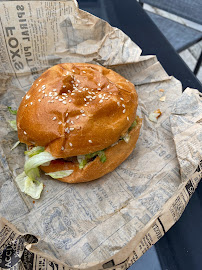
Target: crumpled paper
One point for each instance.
(112, 221)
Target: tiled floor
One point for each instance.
(190, 55)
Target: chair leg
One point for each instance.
(198, 64)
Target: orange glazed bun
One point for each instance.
(75, 109)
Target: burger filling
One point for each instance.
(37, 156)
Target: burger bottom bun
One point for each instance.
(95, 169)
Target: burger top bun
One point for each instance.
(74, 109)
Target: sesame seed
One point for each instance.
(118, 103)
(73, 70)
(88, 96)
(70, 144)
(124, 110)
(85, 105)
(99, 84)
(27, 96)
(77, 117)
(79, 91)
(90, 99)
(106, 98)
(127, 118)
(83, 114)
(46, 95)
(101, 101)
(36, 84)
(54, 118)
(43, 91)
(54, 90)
(70, 100)
(99, 88)
(66, 129)
(94, 97)
(64, 94)
(82, 111)
(123, 105)
(108, 86)
(121, 98)
(55, 94)
(43, 87)
(39, 100)
(71, 128)
(67, 121)
(25, 132)
(39, 90)
(63, 97)
(89, 141)
(59, 123)
(127, 80)
(87, 102)
(84, 71)
(72, 94)
(84, 99)
(72, 122)
(64, 86)
(39, 80)
(62, 148)
(67, 114)
(31, 103)
(78, 81)
(64, 102)
(69, 91)
(60, 99)
(56, 97)
(26, 105)
(100, 95)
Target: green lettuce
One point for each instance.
(13, 124)
(84, 159)
(34, 151)
(14, 112)
(28, 186)
(60, 174)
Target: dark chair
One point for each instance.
(180, 36)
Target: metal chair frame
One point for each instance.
(199, 61)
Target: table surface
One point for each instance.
(181, 247)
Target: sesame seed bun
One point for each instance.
(77, 108)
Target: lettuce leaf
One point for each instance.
(84, 159)
(60, 174)
(14, 112)
(134, 124)
(34, 151)
(13, 124)
(28, 186)
(35, 161)
(15, 145)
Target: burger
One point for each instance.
(79, 123)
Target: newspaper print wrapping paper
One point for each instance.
(112, 221)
